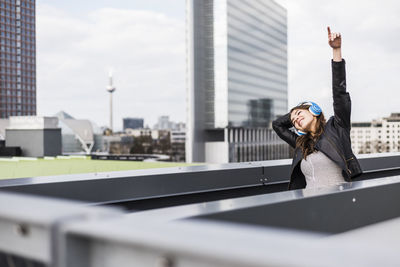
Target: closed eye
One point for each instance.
(296, 113)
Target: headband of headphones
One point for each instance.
(314, 109)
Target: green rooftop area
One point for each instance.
(18, 167)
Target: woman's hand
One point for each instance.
(335, 41)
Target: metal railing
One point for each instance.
(219, 215)
(256, 144)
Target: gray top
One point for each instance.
(320, 171)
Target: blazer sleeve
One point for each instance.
(341, 98)
(281, 126)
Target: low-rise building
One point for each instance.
(132, 123)
(178, 144)
(80, 135)
(142, 132)
(377, 136)
(36, 136)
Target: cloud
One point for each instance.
(145, 49)
(370, 46)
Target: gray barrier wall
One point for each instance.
(38, 231)
(152, 188)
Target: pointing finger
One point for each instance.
(329, 30)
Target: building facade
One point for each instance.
(178, 143)
(17, 58)
(377, 136)
(36, 136)
(164, 123)
(132, 123)
(80, 136)
(236, 74)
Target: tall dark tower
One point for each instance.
(17, 58)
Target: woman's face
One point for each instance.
(302, 119)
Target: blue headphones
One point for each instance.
(314, 109)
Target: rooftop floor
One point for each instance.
(19, 167)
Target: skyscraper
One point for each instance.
(17, 58)
(236, 74)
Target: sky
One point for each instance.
(143, 44)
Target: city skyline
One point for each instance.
(368, 36)
(73, 74)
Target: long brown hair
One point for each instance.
(307, 142)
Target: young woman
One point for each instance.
(323, 154)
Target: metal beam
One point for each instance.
(29, 225)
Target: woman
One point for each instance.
(322, 154)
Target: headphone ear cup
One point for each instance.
(315, 109)
(300, 133)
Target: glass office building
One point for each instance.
(236, 71)
(132, 123)
(250, 62)
(17, 58)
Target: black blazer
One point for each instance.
(335, 142)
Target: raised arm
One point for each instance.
(281, 126)
(335, 41)
(341, 98)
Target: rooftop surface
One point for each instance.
(19, 167)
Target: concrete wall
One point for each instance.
(35, 142)
(217, 152)
(52, 142)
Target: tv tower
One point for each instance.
(111, 89)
